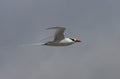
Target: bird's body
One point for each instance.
(59, 39)
(64, 42)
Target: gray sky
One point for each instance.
(95, 22)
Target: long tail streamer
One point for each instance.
(37, 44)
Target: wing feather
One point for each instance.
(59, 34)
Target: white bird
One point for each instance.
(60, 39)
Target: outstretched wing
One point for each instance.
(59, 34)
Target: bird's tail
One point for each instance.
(37, 44)
(33, 44)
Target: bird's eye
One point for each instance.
(72, 39)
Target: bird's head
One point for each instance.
(75, 40)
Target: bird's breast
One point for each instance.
(66, 40)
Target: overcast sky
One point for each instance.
(95, 22)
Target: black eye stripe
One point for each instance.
(72, 39)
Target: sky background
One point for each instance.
(95, 22)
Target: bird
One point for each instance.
(60, 39)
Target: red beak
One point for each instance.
(77, 41)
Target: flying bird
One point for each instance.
(60, 39)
